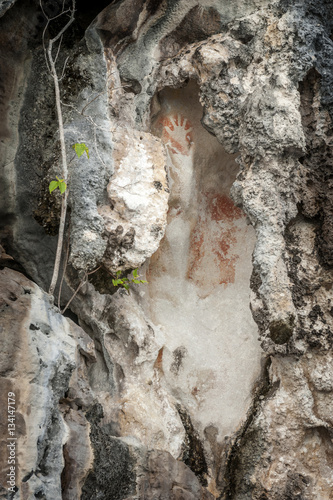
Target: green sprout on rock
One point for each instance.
(125, 282)
(60, 183)
(80, 148)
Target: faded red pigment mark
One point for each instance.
(211, 260)
(177, 133)
(158, 365)
(225, 262)
(196, 252)
(221, 207)
(226, 242)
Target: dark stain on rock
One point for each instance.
(299, 287)
(47, 213)
(128, 239)
(193, 453)
(255, 280)
(316, 313)
(156, 230)
(118, 244)
(118, 33)
(296, 486)
(317, 199)
(66, 472)
(305, 288)
(259, 315)
(152, 6)
(218, 450)
(197, 25)
(245, 454)
(102, 281)
(281, 331)
(178, 356)
(116, 238)
(243, 30)
(113, 476)
(315, 216)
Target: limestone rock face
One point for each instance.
(38, 357)
(135, 216)
(209, 128)
(290, 434)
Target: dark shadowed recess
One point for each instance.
(21, 29)
(249, 445)
(314, 21)
(121, 19)
(113, 477)
(118, 22)
(317, 195)
(86, 12)
(193, 452)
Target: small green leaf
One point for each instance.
(62, 187)
(143, 281)
(135, 273)
(126, 286)
(118, 273)
(53, 185)
(80, 148)
(136, 281)
(117, 282)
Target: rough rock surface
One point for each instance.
(135, 216)
(37, 360)
(5, 5)
(166, 393)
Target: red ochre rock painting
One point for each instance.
(221, 207)
(212, 257)
(177, 133)
(212, 260)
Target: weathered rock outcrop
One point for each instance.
(209, 127)
(38, 357)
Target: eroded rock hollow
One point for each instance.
(209, 129)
